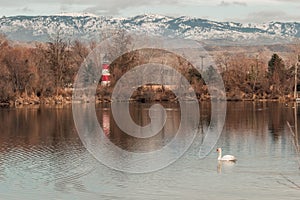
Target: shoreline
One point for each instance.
(60, 100)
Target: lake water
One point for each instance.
(42, 157)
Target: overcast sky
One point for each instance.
(222, 10)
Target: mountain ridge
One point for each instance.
(88, 26)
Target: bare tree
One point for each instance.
(18, 65)
(58, 57)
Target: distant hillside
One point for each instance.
(86, 27)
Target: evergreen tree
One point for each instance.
(275, 65)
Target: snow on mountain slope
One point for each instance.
(88, 26)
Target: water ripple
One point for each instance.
(60, 165)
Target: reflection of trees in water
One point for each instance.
(278, 115)
(246, 116)
(298, 121)
(34, 126)
(140, 115)
(46, 125)
(40, 146)
(258, 119)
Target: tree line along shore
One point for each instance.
(43, 73)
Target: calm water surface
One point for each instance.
(42, 157)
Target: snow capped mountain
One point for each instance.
(88, 26)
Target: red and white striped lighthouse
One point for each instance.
(105, 80)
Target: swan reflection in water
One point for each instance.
(226, 165)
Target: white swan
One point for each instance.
(226, 157)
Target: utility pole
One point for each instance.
(296, 81)
(202, 57)
(256, 73)
(295, 134)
